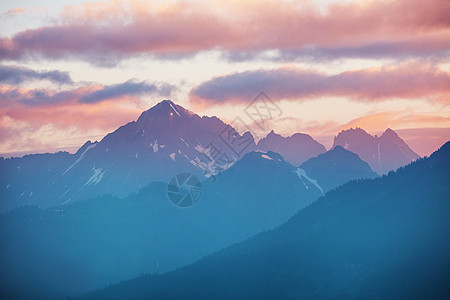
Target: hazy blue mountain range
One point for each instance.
(371, 239)
(77, 222)
(68, 249)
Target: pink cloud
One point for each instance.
(100, 116)
(10, 95)
(37, 130)
(405, 81)
(369, 29)
(92, 106)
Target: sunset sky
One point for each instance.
(74, 70)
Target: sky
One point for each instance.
(72, 71)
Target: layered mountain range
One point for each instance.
(166, 140)
(380, 238)
(103, 214)
(107, 239)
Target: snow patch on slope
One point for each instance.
(97, 177)
(81, 157)
(266, 156)
(154, 146)
(301, 173)
(174, 109)
(204, 151)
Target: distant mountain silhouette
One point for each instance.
(73, 248)
(166, 139)
(336, 167)
(374, 239)
(295, 149)
(385, 153)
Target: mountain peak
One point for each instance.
(272, 134)
(295, 149)
(255, 158)
(390, 132)
(168, 106)
(248, 134)
(385, 153)
(338, 148)
(353, 131)
(338, 152)
(261, 162)
(335, 167)
(166, 110)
